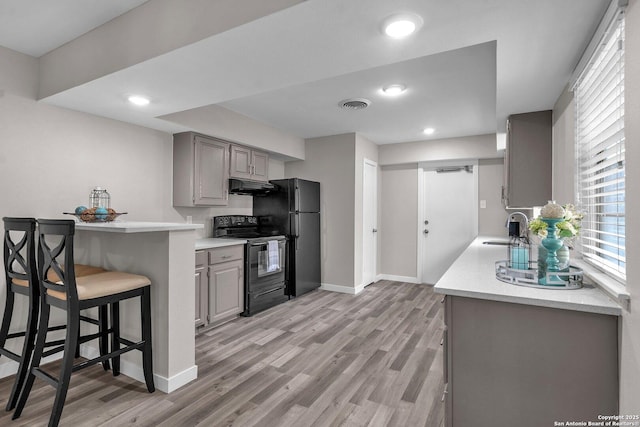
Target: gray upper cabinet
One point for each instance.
(249, 164)
(200, 170)
(527, 166)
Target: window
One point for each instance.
(600, 152)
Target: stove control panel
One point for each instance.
(227, 221)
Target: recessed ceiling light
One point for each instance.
(401, 25)
(429, 131)
(138, 100)
(395, 89)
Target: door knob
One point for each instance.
(426, 222)
(426, 231)
(375, 230)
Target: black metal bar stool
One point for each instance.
(21, 277)
(72, 294)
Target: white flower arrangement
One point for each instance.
(567, 228)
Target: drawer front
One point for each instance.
(227, 253)
(201, 258)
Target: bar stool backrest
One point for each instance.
(55, 257)
(19, 252)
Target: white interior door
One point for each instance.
(369, 221)
(449, 220)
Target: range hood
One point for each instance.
(249, 187)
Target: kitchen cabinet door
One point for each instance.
(201, 291)
(200, 170)
(249, 164)
(226, 290)
(211, 176)
(516, 364)
(240, 162)
(219, 285)
(260, 163)
(527, 165)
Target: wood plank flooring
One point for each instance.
(323, 359)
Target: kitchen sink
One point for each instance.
(496, 242)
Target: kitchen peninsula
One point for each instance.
(524, 356)
(164, 253)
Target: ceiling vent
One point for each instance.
(355, 104)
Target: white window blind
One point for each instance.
(600, 153)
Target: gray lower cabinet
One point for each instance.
(520, 365)
(200, 170)
(201, 284)
(219, 285)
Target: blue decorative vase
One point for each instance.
(563, 255)
(551, 243)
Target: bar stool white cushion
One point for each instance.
(103, 284)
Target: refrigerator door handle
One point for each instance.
(297, 198)
(294, 225)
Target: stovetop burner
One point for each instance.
(241, 227)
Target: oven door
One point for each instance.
(266, 265)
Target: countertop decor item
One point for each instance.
(568, 227)
(99, 198)
(551, 243)
(95, 214)
(561, 224)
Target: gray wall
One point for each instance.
(399, 220)
(469, 147)
(563, 184)
(52, 157)
(491, 220)
(331, 161)
(399, 201)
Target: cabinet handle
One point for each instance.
(226, 256)
(442, 301)
(442, 340)
(444, 394)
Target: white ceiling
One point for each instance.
(36, 27)
(472, 64)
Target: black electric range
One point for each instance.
(264, 257)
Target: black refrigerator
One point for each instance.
(294, 209)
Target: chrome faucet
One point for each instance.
(523, 232)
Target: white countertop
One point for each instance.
(135, 226)
(211, 243)
(473, 275)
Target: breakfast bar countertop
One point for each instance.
(473, 275)
(136, 226)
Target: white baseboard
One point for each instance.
(132, 370)
(10, 367)
(395, 278)
(166, 385)
(342, 289)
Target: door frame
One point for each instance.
(368, 162)
(422, 168)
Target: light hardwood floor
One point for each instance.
(323, 359)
